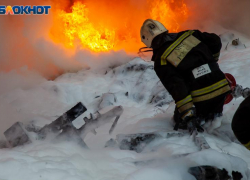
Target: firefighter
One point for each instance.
(241, 119)
(186, 64)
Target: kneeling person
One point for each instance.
(186, 64)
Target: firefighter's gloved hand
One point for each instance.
(190, 119)
(239, 91)
(188, 114)
(194, 124)
(246, 92)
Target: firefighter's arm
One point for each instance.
(212, 40)
(177, 87)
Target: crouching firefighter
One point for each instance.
(186, 64)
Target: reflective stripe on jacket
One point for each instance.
(175, 60)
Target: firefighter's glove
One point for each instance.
(246, 92)
(194, 124)
(188, 114)
(239, 91)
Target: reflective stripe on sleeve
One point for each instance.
(209, 88)
(185, 107)
(184, 101)
(212, 94)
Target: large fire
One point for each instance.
(111, 25)
(77, 25)
(172, 13)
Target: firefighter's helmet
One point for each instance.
(150, 29)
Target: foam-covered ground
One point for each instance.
(147, 108)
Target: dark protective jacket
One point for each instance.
(241, 123)
(183, 62)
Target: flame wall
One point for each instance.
(113, 25)
(40, 42)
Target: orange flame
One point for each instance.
(171, 13)
(77, 25)
(112, 25)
